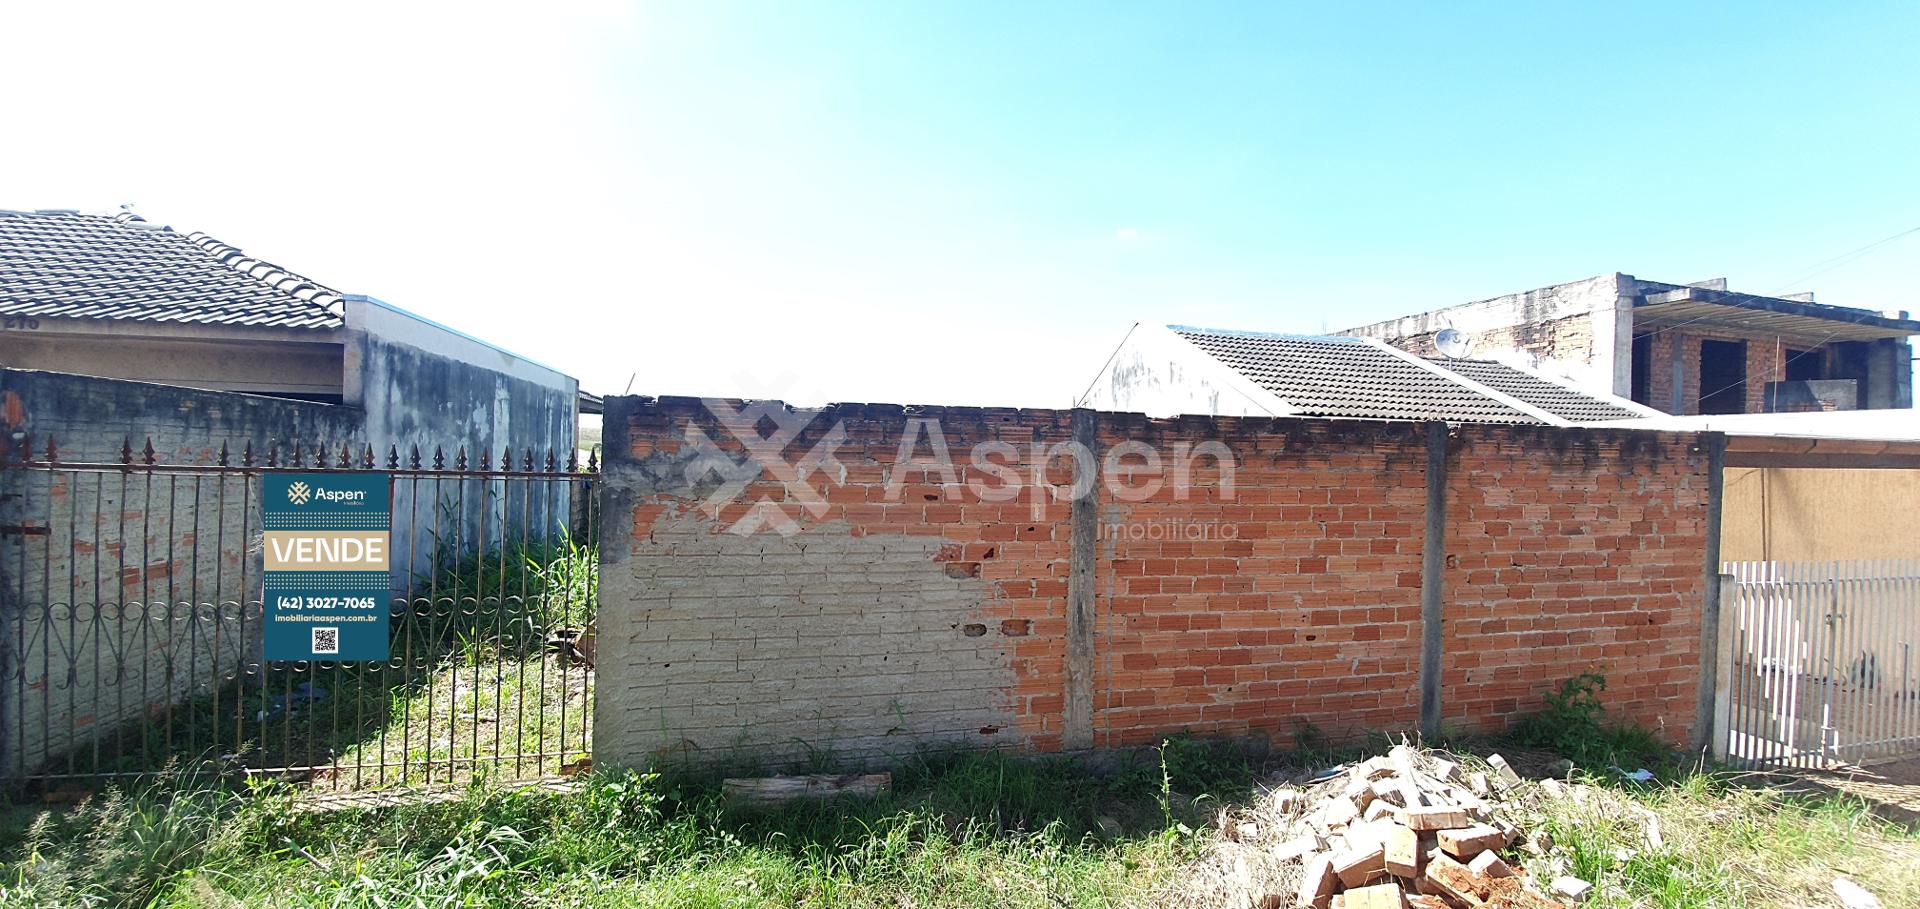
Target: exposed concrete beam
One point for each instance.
(1780, 306)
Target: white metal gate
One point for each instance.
(1819, 662)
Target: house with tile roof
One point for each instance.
(206, 340)
(1177, 369)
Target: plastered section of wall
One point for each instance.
(1807, 515)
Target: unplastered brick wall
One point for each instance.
(1567, 552)
(867, 580)
(1766, 362)
(1290, 599)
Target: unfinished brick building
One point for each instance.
(866, 580)
(1686, 348)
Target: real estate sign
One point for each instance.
(326, 553)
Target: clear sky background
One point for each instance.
(971, 203)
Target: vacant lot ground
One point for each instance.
(978, 830)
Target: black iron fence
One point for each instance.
(131, 641)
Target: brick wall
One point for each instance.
(914, 604)
(1570, 550)
(1766, 362)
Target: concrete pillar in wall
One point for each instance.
(1889, 375)
(1677, 357)
(1613, 336)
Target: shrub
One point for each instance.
(1574, 724)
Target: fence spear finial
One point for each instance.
(296, 453)
(223, 453)
(549, 459)
(146, 454)
(393, 456)
(246, 456)
(126, 449)
(439, 459)
(593, 460)
(506, 457)
(413, 461)
(460, 460)
(486, 462)
(346, 454)
(526, 459)
(573, 460)
(366, 457)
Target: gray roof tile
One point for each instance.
(90, 266)
(1559, 400)
(1337, 376)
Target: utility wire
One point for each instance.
(1819, 268)
(1103, 367)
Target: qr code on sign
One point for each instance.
(326, 640)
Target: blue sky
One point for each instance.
(971, 203)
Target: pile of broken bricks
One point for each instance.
(1408, 830)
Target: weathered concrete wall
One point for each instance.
(427, 386)
(1580, 330)
(1238, 576)
(424, 384)
(90, 418)
(127, 590)
(1820, 515)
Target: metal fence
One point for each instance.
(131, 643)
(1819, 663)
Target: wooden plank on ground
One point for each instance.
(775, 790)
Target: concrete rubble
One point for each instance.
(1411, 829)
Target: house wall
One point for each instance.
(1277, 590)
(273, 365)
(126, 590)
(1819, 515)
(424, 384)
(1159, 373)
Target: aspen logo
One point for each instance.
(300, 494)
(326, 548)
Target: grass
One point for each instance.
(972, 830)
(1727, 844)
(981, 829)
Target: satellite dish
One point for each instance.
(1452, 343)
